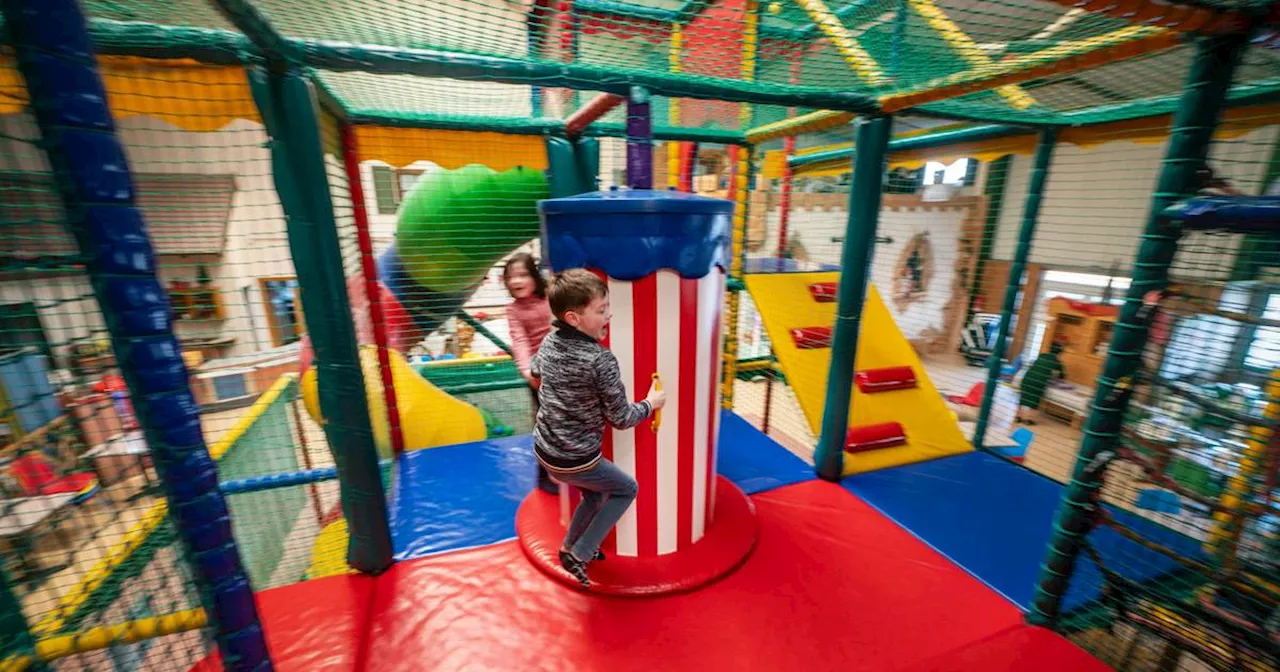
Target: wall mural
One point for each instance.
(914, 271)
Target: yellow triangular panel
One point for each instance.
(784, 303)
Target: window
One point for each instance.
(1086, 279)
(283, 304)
(957, 173)
(1264, 351)
(390, 186)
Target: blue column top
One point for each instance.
(634, 233)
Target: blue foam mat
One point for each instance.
(466, 495)
(994, 518)
(755, 462)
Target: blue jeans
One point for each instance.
(607, 492)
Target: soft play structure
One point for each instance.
(349, 173)
(798, 310)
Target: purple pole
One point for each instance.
(639, 140)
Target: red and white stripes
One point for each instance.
(670, 325)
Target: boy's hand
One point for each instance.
(656, 398)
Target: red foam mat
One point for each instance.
(313, 626)
(831, 585)
(1022, 648)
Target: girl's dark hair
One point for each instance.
(531, 267)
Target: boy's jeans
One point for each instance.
(607, 492)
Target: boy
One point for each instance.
(580, 390)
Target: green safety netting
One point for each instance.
(860, 51)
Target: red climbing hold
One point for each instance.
(823, 292)
(886, 379)
(874, 437)
(811, 338)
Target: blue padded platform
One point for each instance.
(994, 518)
(460, 496)
(755, 462)
(466, 495)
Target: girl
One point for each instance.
(529, 320)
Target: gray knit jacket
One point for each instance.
(581, 390)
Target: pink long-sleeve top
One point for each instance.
(529, 320)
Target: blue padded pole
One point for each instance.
(57, 61)
(282, 480)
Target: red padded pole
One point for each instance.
(590, 111)
(364, 241)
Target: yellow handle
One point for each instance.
(657, 415)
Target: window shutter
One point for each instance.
(384, 186)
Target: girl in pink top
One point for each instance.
(528, 320)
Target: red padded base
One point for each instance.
(726, 545)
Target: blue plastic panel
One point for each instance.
(632, 234)
(994, 518)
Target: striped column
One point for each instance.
(670, 325)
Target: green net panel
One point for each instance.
(85, 537)
(878, 48)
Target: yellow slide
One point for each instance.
(429, 416)
(784, 303)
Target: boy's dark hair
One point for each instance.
(531, 267)
(573, 290)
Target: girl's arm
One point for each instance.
(520, 349)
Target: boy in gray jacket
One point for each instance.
(580, 389)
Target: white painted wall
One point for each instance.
(817, 228)
(256, 244)
(1096, 203)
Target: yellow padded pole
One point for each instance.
(861, 62)
(674, 49)
(741, 197)
(806, 123)
(968, 49)
(1065, 58)
(1229, 523)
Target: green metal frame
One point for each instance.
(941, 138)
(1030, 215)
(994, 191)
(1203, 100)
(299, 170)
(859, 242)
(16, 639)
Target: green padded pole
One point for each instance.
(15, 631)
(994, 189)
(1203, 100)
(872, 144)
(1030, 215)
(288, 109)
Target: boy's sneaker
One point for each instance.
(575, 567)
(598, 556)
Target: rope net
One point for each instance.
(89, 546)
(1180, 558)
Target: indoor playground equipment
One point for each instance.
(345, 178)
(663, 257)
